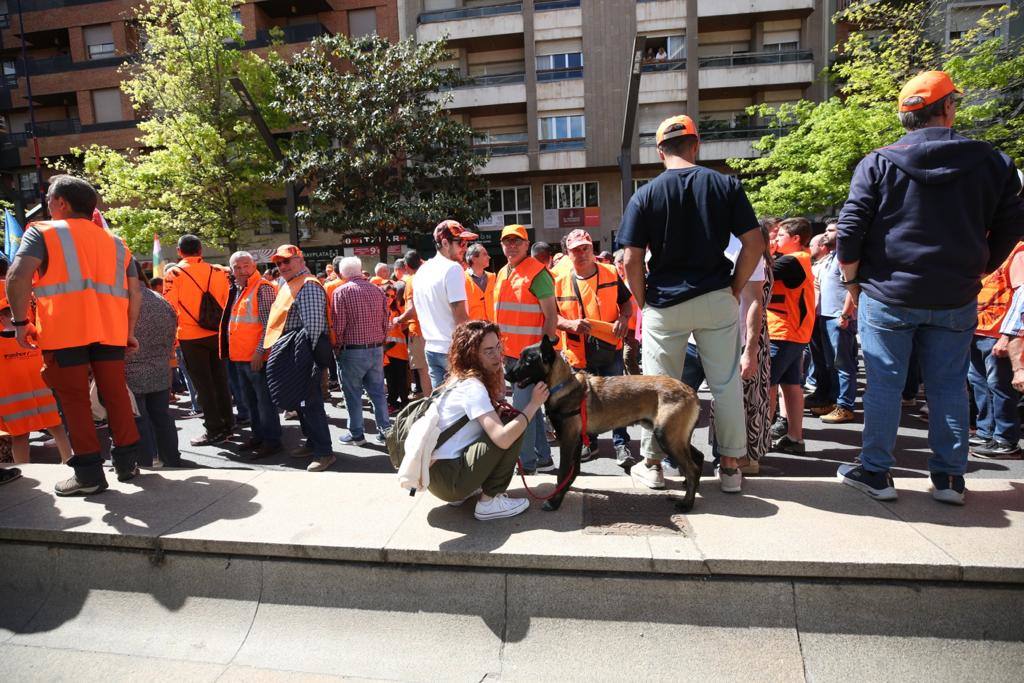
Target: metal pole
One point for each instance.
(31, 107)
(629, 119)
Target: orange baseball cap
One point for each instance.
(452, 230)
(514, 230)
(286, 251)
(577, 238)
(926, 88)
(676, 127)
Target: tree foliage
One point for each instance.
(202, 168)
(808, 170)
(375, 146)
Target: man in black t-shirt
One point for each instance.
(683, 218)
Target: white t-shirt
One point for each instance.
(732, 252)
(438, 284)
(467, 397)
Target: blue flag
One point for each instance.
(12, 235)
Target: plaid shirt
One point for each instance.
(309, 310)
(359, 311)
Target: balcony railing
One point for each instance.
(109, 125)
(470, 12)
(560, 74)
(301, 33)
(502, 149)
(38, 5)
(62, 63)
(545, 5)
(752, 58)
(563, 145)
(664, 65)
(45, 129)
(491, 80)
(710, 132)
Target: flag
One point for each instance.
(12, 235)
(158, 266)
(98, 219)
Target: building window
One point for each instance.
(567, 60)
(27, 181)
(640, 182)
(99, 41)
(362, 22)
(571, 196)
(5, 19)
(236, 14)
(10, 73)
(563, 127)
(789, 46)
(106, 105)
(513, 205)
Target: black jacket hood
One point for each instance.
(934, 156)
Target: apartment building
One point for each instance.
(74, 51)
(549, 81)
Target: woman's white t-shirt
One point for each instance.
(468, 397)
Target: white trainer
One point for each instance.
(649, 475)
(500, 506)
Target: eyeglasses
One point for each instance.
(492, 351)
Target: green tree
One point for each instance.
(376, 147)
(202, 168)
(808, 170)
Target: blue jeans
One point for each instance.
(840, 359)
(193, 397)
(157, 435)
(535, 447)
(437, 366)
(943, 341)
(620, 437)
(266, 424)
(992, 380)
(363, 369)
(819, 372)
(313, 420)
(237, 392)
(693, 369)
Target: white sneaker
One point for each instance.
(500, 506)
(649, 475)
(670, 471)
(732, 482)
(321, 464)
(457, 503)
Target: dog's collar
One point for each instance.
(561, 385)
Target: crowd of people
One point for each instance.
(920, 274)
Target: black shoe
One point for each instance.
(788, 445)
(949, 488)
(128, 475)
(779, 428)
(997, 450)
(878, 485)
(548, 466)
(9, 474)
(252, 444)
(812, 401)
(977, 440)
(73, 487)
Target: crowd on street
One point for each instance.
(914, 286)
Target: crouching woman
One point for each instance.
(481, 456)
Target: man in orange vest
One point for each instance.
(593, 316)
(525, 309)
(246, 325)
(409, 320)
(192, 286)
(301, 303)
(88, 299)
(479, 283)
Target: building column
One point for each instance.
(530, 64)
(692, 62)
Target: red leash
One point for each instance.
(572, 470)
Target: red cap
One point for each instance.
(514, 230)
(577, 238)
(675, 127)
(452, 230)
(286, 251)
(926, 88)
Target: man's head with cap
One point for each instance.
(515, 243)
(928, 99)
(451, 240)
(677, 137)
(288, 260)
(580, 246)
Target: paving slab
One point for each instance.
(27, 574)
(604, 629)
(319, 516)
(24, 663)
(195, 608)
(416, 623)
(26, 489)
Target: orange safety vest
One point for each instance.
(283, 304)
(480, 302)
(83, 296)
(791, 311)
(601, 308)
(516, 310)
(186, 296)
(26, 403)
(379, 281)
(414, 323)
(244, 327)
(995, 296)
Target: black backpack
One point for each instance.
(210, 310)
(406, 418)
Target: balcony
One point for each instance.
(660, 15)
(757, 69)
(722, 8)
(64, 63)
(299, 33)
(663, 85)
(506, 157)
(45, 129)
(289, 8)
(488, 91)
(663, 65)
(718, 142)
(559, 74)
(548, 5)
(563, 145)
(471, 22)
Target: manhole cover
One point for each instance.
(628, 513)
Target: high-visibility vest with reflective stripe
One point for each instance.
(791, 311)
(244, 327)
(83, 296)
(283, 304)
(995, 296)
(480, 302)
(399, 349)
(26, 403)
(602, 309)
(413, 323)
(516, 310)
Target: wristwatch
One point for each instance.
(20, 323)
(845, 316)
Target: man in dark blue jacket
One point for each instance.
(926, 218)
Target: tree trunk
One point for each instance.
(382, 245)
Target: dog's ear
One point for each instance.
(547, 350)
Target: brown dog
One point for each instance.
(665, 405)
